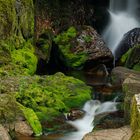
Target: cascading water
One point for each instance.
(85, 125)
(122, 19)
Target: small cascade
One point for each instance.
(122, 19)
(85, 125)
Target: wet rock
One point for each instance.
(100, 70)
(109, 120)
(82, 47)
(23, 128)
(130, 39)
(123, 133)
(4, 134)
(75, 114)
(119, 74)
(131, 86)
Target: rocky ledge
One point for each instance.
(123, 133)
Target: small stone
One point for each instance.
(23, 128)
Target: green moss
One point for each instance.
(54, 94)
(136, 135)
(136, 67)
(135, 120)
(64, 41)
(32, 120)
(131, 59)
(19, 60)
(125, 56)
(25, 59)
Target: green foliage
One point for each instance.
(49, 96)
(65, 43)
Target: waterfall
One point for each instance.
(122, 19)
(85, 125)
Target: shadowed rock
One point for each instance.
(129, 39)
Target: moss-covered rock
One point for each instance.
(17, 18)
(52, 95)
(17, 26)
(81, 45)
(131, 59)
(130, 88)
(48, 96)
(135, 117)
(21, 61)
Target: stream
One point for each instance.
(86, 124)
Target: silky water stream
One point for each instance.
(86, 124)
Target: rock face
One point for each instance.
(123, 133)
(131, 86)
(130, 39)
(4, 134)
(16, 27)
(135, 117)
(83, 47)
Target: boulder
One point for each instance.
(109, 120)
(123, 133)
(135, 117)
(131, 86)
(119, 74)
(129, 40)
(83, 47)
(4, 134)
(42, 98)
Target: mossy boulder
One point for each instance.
(79, 46)
(135, 117)
(11, 111)
(47, 96)
(129, 40)
(130, 88)
(51, 95)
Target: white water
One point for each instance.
(122, 19)
(85, 125)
